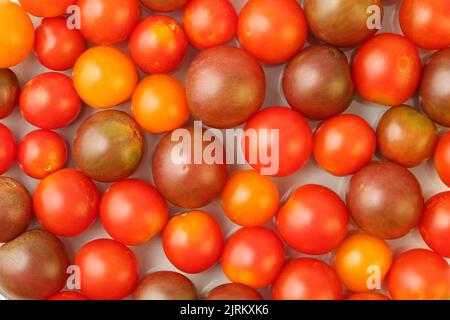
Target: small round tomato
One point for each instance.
(362, 262)
(280, 134)
(58, 47)
(108, 22)
(9, 92)
(68, 295)
(104, 77)
(442, 158)
(133, 212)
(344, 144)
(367, 296)
(16, 34)
(209, 23)
(49, 101)
(387, 69)
(307, 279)
(250, 199)
(66, 202)
(193, 241)
(253, 257)
(41, 153)
(419, 274)
(158, 44)
(8, 148)
(108, 270)
(272, 30)
(46, 8)
(314, 220)
(164, 5)
(159, 104)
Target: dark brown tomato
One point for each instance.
(225, 86)
(16, 210)
(9, 92)
(108, 146)
(233, 291)
(318, 82)
(33, 266)
(385, 199)
(435, 88)
(405, 136)
(165, 285)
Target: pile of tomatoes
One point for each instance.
(114, 56)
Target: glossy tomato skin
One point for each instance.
(133, 212)
(165, 285)
(66, 202)
(295, 140)
(46, 8)
(344, 144)
(8, 148)
(387, 69)
(164, 5)
(209, 23)
(108, 270)
(158, 44)
(233, 291)
(307, 279)
(56, 46)
(9, 92)
(193, 241)
(442, 158)
(49, 101)
(419, 274)
(253, 257)
(426, 23)
(68, 295)
(301, 221)
(367, 296)
(272, 30)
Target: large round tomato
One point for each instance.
(8, 148)
(108, 270)
(193, 241)
(442, 158)
(133, 212)
(307, 279)
(46, 8)
(66, 202)
(253, 257)
(16, 34)
(419, 274)
(272, 30)
(314, 220)
(386, 69)
(280, 134)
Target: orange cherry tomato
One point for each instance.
(46, 8)
(368, 296)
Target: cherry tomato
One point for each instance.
(159, 104)
(253, 257)
(9, 92)
(386, 69)
(442, 158)
(193, 241)
(250, 199)
(66, 202)
(108, 22)
(419, 274)
(68, 295)
(289, 151)
(361, 261)
(57, 47)
(158, 44)
(49, 101)
(108, 270)
(314, 220)
(16, 34)
(307, 279)
(209, 23)
(164, 5)
(367, 296)
(344, 144)
(272, 30)
(133, 212)
(46, 8)
(8, 148)
(41, 153)
(104, 77)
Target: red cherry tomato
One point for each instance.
(49, 101)
(46, 8)
(209, 23)
(314, 220)
(68, 295)
(8, 148)
(158, 44)
(108, 270)
(253, 257)
(66, 202)
(41, 153)
(387, 69)
(193, 241)
(56, 46)
(307, 279)
(289, 152)
(442, 158)
(367, 296)
(272, 30)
